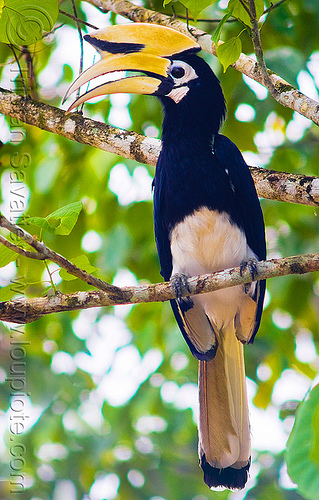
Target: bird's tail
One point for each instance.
(224, 434)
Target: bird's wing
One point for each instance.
(196, 327)
(247, 201)
(249, 212)
(161, 233)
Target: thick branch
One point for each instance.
(78, 128)
(269, 184)
(287, 95)
(46, 253)
(27, 310)
(282, 186)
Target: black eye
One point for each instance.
(177, 72)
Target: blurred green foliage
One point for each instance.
(302, 448)
(109, 396)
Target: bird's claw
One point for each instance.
(251, 264)
(179, 285)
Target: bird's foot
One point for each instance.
(251, 265)
(179, 284)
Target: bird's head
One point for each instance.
(158, 61)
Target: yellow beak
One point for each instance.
(145, 48)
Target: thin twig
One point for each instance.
(49, 254)
(246, 8)
(8, 62)
(78, 20)
(27, 310)
(32, 81)
(20, 70)
(21, 251)
(274, 6)
(50, 277)
(255, 37)
(56, 28)
(81, 43)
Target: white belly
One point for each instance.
(206, 242)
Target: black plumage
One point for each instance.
(200, 167)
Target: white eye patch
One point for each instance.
(182, 73)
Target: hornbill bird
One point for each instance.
(207, 218)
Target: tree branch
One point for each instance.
(77, 20)
(255, 37)
(283, 186)
(31, 78)
(25, 310)
(21, 251)
(47, 253)
(270, 184)
(287, 95)
(78, 128)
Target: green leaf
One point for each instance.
(229, 52)
(6, 256)
(315, 450)
(62, 221)
(196, 6)
(23, 22)
(83, 263)
(216, 35)
(6, 293)
(302, 453)
(259, 4)
(236, 8)
(40, 222)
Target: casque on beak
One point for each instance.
(137, 47)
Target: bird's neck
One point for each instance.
(186, 139)
(187, 152)
(188, 131)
